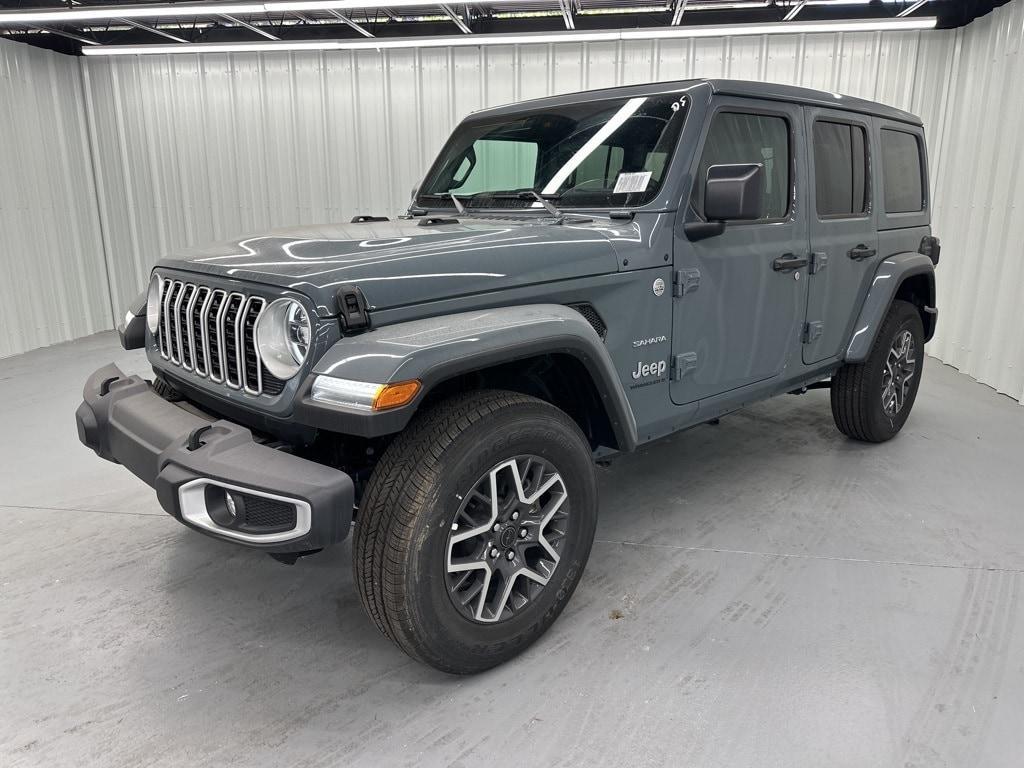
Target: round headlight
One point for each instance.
(283, 333)
(153, 304)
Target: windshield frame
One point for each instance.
(513, 112)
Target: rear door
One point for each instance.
(844, 241)
(739, 309)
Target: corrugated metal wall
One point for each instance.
(980, 205)
(53, 283)
(198, 148)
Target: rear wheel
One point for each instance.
(872, 400)
(475, 529)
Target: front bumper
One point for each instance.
(183, 453)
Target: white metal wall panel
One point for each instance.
(53, 284)
(980, 204)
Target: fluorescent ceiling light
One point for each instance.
(790, 28)
(654, 33)
(193, 10)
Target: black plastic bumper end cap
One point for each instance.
(88, 430)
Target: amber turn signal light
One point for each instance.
(395, 395)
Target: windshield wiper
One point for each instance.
(520, 194)
(543, 201)
(512, 194)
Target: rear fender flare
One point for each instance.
(888, 277)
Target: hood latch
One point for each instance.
(353, 310)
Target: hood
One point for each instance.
(399, 262)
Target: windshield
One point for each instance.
(598, 154)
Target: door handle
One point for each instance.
(861, 252)
(787, 262)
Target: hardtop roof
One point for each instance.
(750, 88)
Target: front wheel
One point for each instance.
(475, 529)
(872, 400)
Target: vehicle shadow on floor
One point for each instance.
(687, 489)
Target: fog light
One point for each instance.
(225, 508)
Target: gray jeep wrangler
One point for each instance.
(576, 276)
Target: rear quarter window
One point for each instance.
(902, 173)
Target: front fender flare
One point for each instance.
(890, 274)
(436, 349)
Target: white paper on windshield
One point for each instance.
(632, 182)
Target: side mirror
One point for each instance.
(415, 190)
(734, 192)
(731, 193)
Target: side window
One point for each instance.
(901, 172)
(840, 169)
(736, 137)
(500, 164)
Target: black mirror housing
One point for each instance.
(734, 192)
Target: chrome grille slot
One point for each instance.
(211, 337)
(165, 286)
(212, 333)
(183, 305)
(170, 321)
(229, 333)
(195, 329)
(252, 368)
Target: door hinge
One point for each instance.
(683, 364)
(819, 261)
(813, 331)
(685, 281)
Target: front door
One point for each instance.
(842, 230)
(739, 318)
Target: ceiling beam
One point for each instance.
(677, 13)
(912, 8)
(456, 20)
(247, 25)
(70, 35)
(346, 20)
(566, 6)
(795, 10)
(154, 30)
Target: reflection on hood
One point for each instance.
(399, 262)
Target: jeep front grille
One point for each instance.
(211, 333)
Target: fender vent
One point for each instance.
(591, 316)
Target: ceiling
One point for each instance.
(246, 21)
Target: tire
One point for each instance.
(416, 556)
(862, 406)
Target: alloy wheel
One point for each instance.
(506, 539)
(900, 367)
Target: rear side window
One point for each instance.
(902, 172)
(736, 137)
(840, 169)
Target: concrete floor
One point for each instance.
(762, 593)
